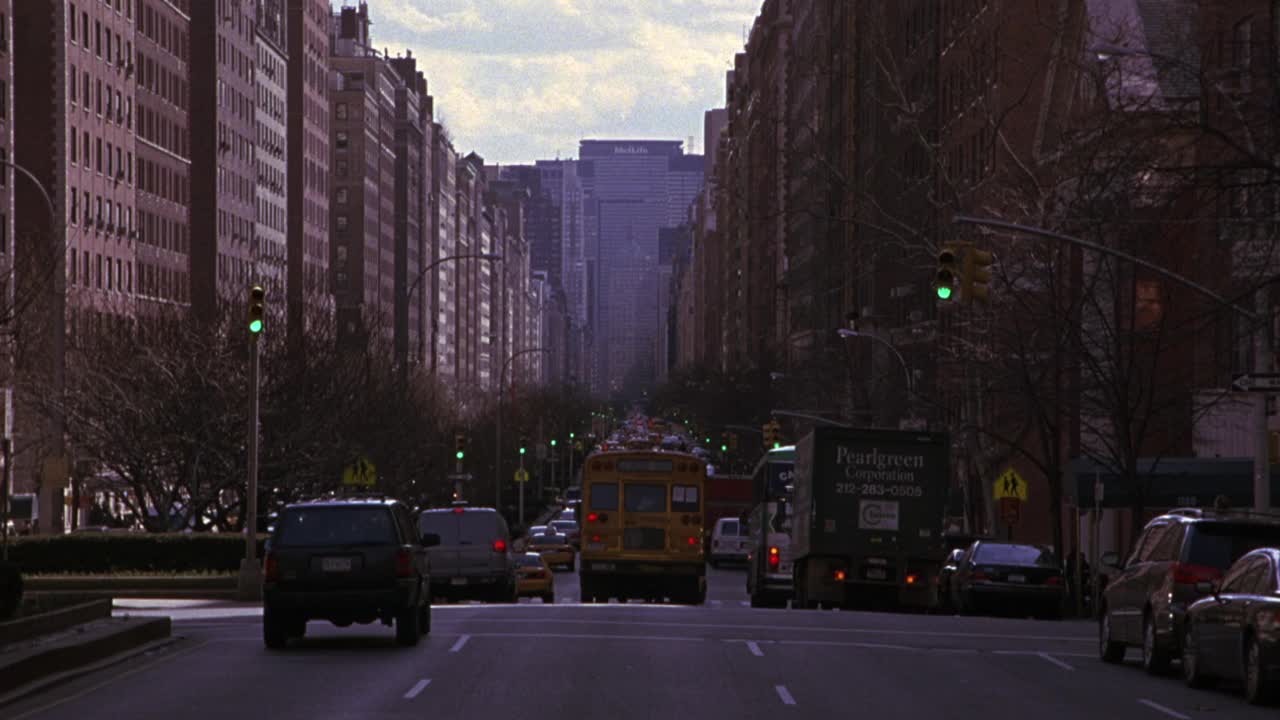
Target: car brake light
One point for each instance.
(979, 577)
(913, 579)
(270, 568)
(1184, 574)
(595, 538)
(1054, 580)
(839, 576)
(692, 541)
(404, 563)
(499, 545)
(774, 559)
(457, 511)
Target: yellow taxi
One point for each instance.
(533, 578)
(554, 548)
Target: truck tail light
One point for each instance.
(912, 579)
(404, 563)
(838, 576)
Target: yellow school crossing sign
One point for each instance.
(522, 475)
(1010, 485)
(362, 472)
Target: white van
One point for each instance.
(728, 542)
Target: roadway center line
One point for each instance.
(784, 694)
(1160, 708)
(417, 688)
(754, 648)
(1049, 658)
(459, 643)
(588, 636)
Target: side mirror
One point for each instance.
(430, 539)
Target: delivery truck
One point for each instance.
(868, 514)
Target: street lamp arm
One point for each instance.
(1165, 272)
(812, 418)
(473, 256)
(906, 371)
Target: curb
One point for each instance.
(55, 660)
(125, 593)
(53, 621)
(51, 681)
(128, 584)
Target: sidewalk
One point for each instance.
(183, 610)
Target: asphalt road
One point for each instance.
(722, 660)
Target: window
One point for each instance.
(75, 210)
(684, 498)
(646, 498)
(340, 111)
(74, 86)
(97, 40)
(71, 13)
(342, 196)
(341, 140)
(603, 496)
(71, 147)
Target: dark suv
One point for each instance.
(346, 560)
(1145, 602)
(473, 560)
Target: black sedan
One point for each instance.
(1019, 577)
(1234, 634)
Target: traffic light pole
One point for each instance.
(249, 585)
(522, 484)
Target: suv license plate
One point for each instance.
(1017, 578)
(459, 581)
(876, 574)
(336, 564)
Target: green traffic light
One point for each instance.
(707, 440)
(944, 292)
(571, 436)
(255, 326)
(521, 451)
(724, 448)
(458, 454)
(553, 443)
(777, 445)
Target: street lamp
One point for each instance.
(413, 287)
(847, 333)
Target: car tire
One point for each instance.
(409, 627)
(424, 619)
(275, 632)
(1259, 689)
(1192, 670)
(1155, 659)
(1109, 650)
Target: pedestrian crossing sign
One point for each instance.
(1010, 485)
(522, 475)
(360, 473)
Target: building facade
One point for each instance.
(271, 76)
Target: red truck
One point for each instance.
(727, 496)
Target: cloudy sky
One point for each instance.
(520, 80)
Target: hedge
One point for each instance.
(108, 553)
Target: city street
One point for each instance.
(635, 661)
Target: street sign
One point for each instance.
(361, 473)
(522, 475)
(1250, 382)
(464, 477)
(1010, 510)
(1010, 485)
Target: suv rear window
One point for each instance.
(1221, 544)
(729, 528)
(326, 526)
(464, 528)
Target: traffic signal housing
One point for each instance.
(944, 282)
(257, 309)
(459, 446)
(772, 435)
(524, 444)
(975, 275)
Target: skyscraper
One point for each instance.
(633, 189)
(270, 79)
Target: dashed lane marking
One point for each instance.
(1162, 709)
(459, 643)
(1051, 659)
(417, 688)
(754, 647)
(784, 695)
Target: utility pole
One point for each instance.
(249, 586)
(1265, 364)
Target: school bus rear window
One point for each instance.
(604, 496)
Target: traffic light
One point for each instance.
(772, 435)
(945, 281)
(553, 442)
(459, 446)
(257, 309)
(571, 436)
(975, 275)
(524, 444)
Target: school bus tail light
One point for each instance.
(774, 558)
(838, 576)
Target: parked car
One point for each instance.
(473, 560)
(1173, 564)
(1234, 633)
(728, 542)
(1014, 574)
(555, 549)
(534, 577)
(947, 574)
(346, 561)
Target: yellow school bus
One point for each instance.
(641, 519)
